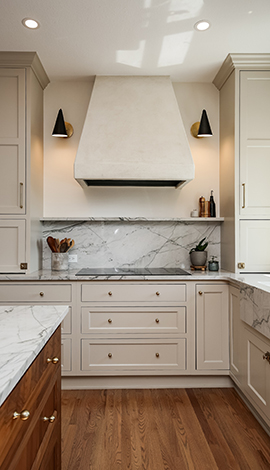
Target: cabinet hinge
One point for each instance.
(23, 266)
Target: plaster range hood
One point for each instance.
(133, 135)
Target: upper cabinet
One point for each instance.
(255, 143)
(22, 81)
(12, 141)
(244, 84)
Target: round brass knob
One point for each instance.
(110, 355)
(110, 320)
(41, 294)
(51, 419)
(53, 360)
(24, 415)
(157, 320)
(157, 354)
(110, 293)
(157, 293)
(200, 292)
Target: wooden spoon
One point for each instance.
(51, 243)
(71, 244)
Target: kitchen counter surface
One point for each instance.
(24, 330)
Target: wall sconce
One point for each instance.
(62, 128)
(202, 128)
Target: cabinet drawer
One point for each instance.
(111, 320)
(150, 354)
(118, 292)
(35, 293)
(26, 396)
(66, 325)
(66, 351)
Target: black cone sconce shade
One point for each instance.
(204, 129)
(62, 128)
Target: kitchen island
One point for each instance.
(30, 387)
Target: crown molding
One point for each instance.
(240, 62)
(25, 59)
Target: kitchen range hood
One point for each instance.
(133, 135)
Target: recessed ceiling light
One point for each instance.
(30, 23)
(202, 25)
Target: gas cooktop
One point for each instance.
(132, 272)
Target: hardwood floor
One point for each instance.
(171, 429)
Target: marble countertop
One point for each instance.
(24, 330)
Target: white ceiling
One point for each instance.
(84, 38)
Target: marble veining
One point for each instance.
(255, 309)
(137, 243)
(24, 330)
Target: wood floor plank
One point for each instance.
(171, 429)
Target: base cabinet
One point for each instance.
(257, 385)
(237, 343)
(212, 326)
(34, 443)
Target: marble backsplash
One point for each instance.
(127, 242)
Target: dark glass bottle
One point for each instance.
(212, 205)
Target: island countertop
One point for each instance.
(24, 330)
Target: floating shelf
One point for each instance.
(131, 219)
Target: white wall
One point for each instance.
(64, 197)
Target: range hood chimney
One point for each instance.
(133, 135)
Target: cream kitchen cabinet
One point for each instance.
(254, 249)
(22, 81)
(134, 328)
(237, 344)
(12, 141)
(212, 322)
(257, 384)
(244, 84)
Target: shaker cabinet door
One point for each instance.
(254, 143)
(12, 141)
(12, 246)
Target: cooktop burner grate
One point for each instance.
(132, 272)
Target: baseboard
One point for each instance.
(96, 383)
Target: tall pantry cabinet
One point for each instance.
(244, 84)
(22, 81)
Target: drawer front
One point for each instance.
(66, 325)
(150, 354)
(118, 292)
(117, 320)
(66, 351)
(24, 397)
(37, 293)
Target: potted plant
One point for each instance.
(198, 255)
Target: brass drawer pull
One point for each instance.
(157, 320)
(157, 293)
(200, 292)
(267, 356)
(110, 293)
(110, 355)
(51, 419)
(41, 294)
(157, 354)
(109, 320)
(21, 195)
(53, 360)
(24, 415)
(244, 195)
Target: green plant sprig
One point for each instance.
(200, 247)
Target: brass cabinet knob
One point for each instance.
(157, 320)
(24, 415)
(51, 419)
(157, 354)
(241, 265)
(41, 294)
(200, 292)
(110, 293)
(110, 355)
(157, 293)
(109, 320)
(53, 360)
(267, 356)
